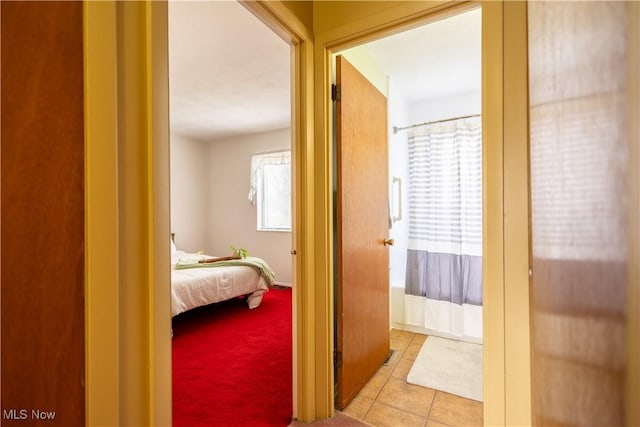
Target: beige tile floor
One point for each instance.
(389, 401)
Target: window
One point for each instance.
(271, 190)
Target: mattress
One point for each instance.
(195, 287)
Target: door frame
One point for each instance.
(506, 351)
(127, 283)
(283, 22)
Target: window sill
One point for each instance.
(275, 230)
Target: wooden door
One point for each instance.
(580, 231)
(42, 227)
(362, 318)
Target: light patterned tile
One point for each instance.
(419, 339)
(400, 340)
(375, 384)
(431, 423)
(358, 407)
(400, 334)
(414, 347)
(401, 370)
(407, 397)
(455, 410)
(381, 415)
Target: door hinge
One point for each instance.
(335, 92)
(337, 359)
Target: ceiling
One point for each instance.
(229, 73)
(433, 61)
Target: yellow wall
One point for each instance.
(332, 15)
(302, 10)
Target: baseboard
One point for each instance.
(425, 331)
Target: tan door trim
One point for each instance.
(309, 379)
(516, 220)
(507, 357)
(499, 348)
(632, 385)
(101, 206)
(127, 304)
(401, 15)
(116, 395)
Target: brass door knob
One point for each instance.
(388, 242)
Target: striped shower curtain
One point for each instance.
(444, 259)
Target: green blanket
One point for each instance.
(258, 263)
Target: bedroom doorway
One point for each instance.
(434, 90)
(231, 173)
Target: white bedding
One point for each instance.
(194, 287)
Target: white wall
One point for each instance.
(398, 113)
(445, 108)
(232, 218)
(189, 189)
(362, 60)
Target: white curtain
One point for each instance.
(258, 162)
(445, 188)
(444, 258)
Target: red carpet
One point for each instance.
(232, 365)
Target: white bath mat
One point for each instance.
(451, 366)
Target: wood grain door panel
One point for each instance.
(362, 208)
(42, 229)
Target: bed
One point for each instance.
(194, 284)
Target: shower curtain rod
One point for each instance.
(396, 129)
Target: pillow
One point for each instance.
(173, 247)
